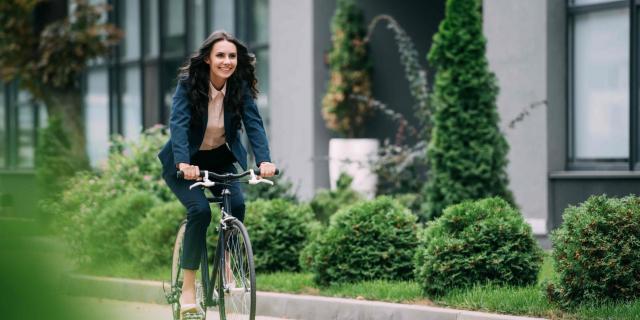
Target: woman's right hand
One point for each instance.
(190, 172)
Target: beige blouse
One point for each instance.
(214, 135)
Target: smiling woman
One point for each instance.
(215, 97)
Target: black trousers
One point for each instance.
(219, 160)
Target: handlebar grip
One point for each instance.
(180, 174)
(257, 171)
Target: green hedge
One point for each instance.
(151, 240)
(597, 252)
(485, 241)
(369, 240)
(278, 230)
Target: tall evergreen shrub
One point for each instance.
(467, 152)
(350, 67)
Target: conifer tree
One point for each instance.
(350, 73)
(467, 152)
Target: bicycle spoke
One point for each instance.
(238, 274)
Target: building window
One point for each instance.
(131, 100)
(20, 117)
(96, 115)
(600, 77)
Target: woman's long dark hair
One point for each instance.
(195, 73)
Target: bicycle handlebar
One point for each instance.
(224, 177)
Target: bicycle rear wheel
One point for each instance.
(237, 297)
(177, 278)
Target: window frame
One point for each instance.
(631, 162)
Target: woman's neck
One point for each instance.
(217, 82)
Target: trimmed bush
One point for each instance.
(279, 230)
(597, 252)
(151, 241)
(485, 241)
(90, 209)
(369, 240)
(108, 228)
(326, 202)
(467, 152)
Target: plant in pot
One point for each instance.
(349, 75)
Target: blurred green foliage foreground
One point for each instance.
(30, 275)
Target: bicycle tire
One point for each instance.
(177, 277)
(176, 272)
(237, 301)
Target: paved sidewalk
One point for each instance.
(102, 309)
(287, 306)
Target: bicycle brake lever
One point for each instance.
(256, 179)
(202, 183)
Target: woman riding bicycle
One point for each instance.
(215, 95)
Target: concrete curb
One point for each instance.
(278, 304)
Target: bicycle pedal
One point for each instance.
(192, 316)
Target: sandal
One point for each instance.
(190, 311)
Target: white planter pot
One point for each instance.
(354, 156)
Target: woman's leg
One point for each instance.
(198, 219)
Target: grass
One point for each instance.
(526, 301)
(121, 269)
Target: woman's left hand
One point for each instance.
(267, 169)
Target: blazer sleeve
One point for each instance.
(255, 128)
(179, 125)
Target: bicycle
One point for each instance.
(234, 294)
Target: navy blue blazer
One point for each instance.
(185, 140)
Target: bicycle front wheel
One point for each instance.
(177, 278)
(237, 298)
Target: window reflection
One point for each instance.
(97, 116)
(174, 35)
(151, 34)
(129, 15)
(131, 103)
(601, 84)
(26, 130)
(223, 15)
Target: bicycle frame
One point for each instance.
(209, 281)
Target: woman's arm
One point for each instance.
(255, 128)
(179, 125)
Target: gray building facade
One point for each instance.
(568, 69)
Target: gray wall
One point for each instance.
(517, 47)
(292, 83)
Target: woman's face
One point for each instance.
(223, 59)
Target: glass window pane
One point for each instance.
(223, 15)
(26, 130)
(174, 33)
(131, 103)
(601, 84)
(151, 27)
(3, 129)
(130, 20)
(198, 28)
(260, 21)
(97, 116)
